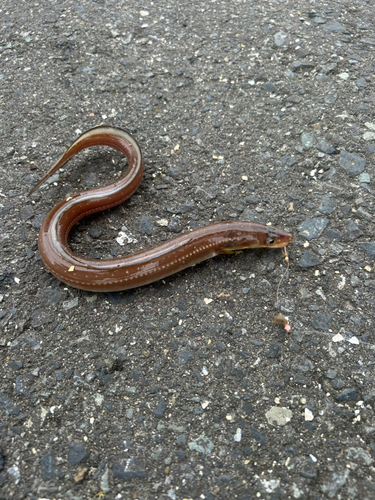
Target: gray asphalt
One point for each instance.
(186, 389)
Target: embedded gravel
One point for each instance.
(186, 389)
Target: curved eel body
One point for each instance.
(143, 267)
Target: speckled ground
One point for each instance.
(185, 389)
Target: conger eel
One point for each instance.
(142, 267)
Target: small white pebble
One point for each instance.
(308, 415)
(207, 301)
(354, 340)
(162, 222)
(238, 435)
(338, 338)
(123, 238)
(342, 283)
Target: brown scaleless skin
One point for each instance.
(143, 267)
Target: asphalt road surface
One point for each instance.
(185, 388)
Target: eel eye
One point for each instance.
(270, 241)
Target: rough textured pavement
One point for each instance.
(185, 389)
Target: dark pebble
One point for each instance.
(270, 87)
(332, 235)
(181, 455)
(95, 232)
(309, 259)
(21, 385)
(174, 172)
(369, 247)
(174, 225)
(146, 225)
(320, 320)
(248, 408)
(253, 216)
(330, 99)
(258, 436)
(309, 426)
(108, 406)
(37, 222)
(181, 440)
(181, 209)
(361, 83)
(15, 365)
(53, 296)
(77, 453)
(274, 350)
(289, 161)
(220, 346)
(327, 205)
(26, 212)
(345, 209)
(338, 384)
(325, 147)
(185, 356)
(353, 230)
(331, 374)
(47, 466)
(301, 65)
(160, 409)
(312, 228)
(303, 365)
(352, 163)
(336, 26)
(348, 395)
(369, 397)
